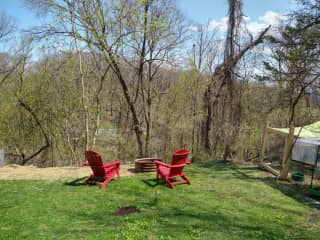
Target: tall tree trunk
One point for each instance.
(44, 133)
(223, 79)
(208, 122)
(83, 88)
(233, 39)
(148, 114)
(136, 122)
(98, 106)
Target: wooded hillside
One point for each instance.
(133, 79)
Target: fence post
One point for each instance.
(286, 158)
(2, 162)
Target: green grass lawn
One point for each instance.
(225, 201)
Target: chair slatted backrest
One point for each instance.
(179, 157)
(95, 162)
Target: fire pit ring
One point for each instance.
(145, 165)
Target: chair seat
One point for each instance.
(101, 170)
(170, 172)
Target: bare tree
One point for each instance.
(223, 81)
(8, 64)
(130, 34)
(203, 59)
(7, 26)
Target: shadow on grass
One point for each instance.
(244, 173)
(299, 192)
(81, 182)
(152, 182)
(197, 222)
(77, 182)
(217, 165)
(132, 170)
(228, 167)
(250, 173)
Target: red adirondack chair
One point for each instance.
(168, 172)
(100, 170)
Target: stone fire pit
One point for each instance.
(145, 165)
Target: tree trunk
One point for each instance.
(83, 88)
(98, 106)
(219, 79)
(208, 122)
(35, 117)
(286, 159)
(148, 113)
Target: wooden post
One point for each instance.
(286, 157)
(263, 144)
(261, 164)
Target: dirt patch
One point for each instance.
(15, 172)
(314, 219)
(126, 210)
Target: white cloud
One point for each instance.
(221, 25)
(253, 26)
(246, 18)
(273, 18)
(269, 18)
(193, 28)
(266, 51)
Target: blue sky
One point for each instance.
(203, 10)
(199, 11)
(16, 9)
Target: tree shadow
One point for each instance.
(218, 165)
(229, 167)
(214, 219)
(298, 191)
(246, 173)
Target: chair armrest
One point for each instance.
(86, 164)
(157, 162)
(179, 165)
(112, 164)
